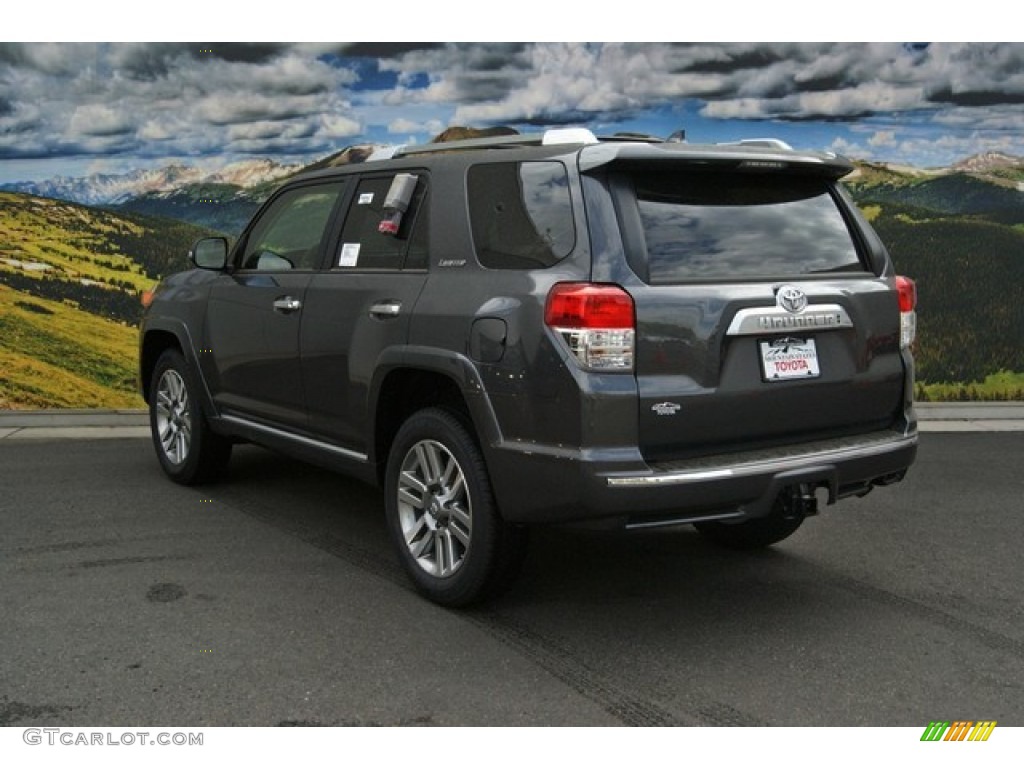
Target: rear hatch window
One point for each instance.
(738, 226)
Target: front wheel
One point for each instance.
(188, 450)
(450, 536)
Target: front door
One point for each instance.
(256, 311)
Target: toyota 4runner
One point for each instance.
(534, 329)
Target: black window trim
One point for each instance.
(349, 199)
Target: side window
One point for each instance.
(521, 214)
(364, 246)
(290, 233)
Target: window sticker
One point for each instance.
(365, 198)
(349, 254)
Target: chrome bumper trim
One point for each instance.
(770, 466)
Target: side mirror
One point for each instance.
(210, 253)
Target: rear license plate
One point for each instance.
(789, 358)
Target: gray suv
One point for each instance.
(548, 328)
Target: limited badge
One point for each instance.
(666, 408)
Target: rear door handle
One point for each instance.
(386, 309)
(287, 305)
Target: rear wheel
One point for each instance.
(188, 450)
(758, 533)
(450, 536)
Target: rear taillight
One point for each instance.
(596, 322)
(907, 290)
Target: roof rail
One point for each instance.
(644, 138)
(554, 136)
(769, 143)
(569, 136)
(385, 153)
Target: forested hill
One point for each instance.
(970, 277)
(997, 194)
(960, 234)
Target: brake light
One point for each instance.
(907, 290)
(908, 293)
(596, 322)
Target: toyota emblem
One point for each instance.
(791, 299)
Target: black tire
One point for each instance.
(758, 533)
(445, 524)
(188, 450)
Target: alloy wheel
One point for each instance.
(434, 508)
(173, 416)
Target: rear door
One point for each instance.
(760, 321)
(361, 305)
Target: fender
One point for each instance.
(453, 365)
(179, 330)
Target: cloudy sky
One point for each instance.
(78, 108)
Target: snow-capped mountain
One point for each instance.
(988, 161)
(112, 189)
(250, 173)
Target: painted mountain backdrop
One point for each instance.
(76, 253)
(960, 233)
(223, 199)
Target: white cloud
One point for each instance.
(930, 151)
(883, 139)
(338, 127)
(98, 120)
(73, 99)
(402, 125)
(67, 99)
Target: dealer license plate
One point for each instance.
(789, 358)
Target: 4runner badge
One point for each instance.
(666, 409)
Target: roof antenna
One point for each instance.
(678, 137)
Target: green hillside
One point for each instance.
(993, 195)
(953, 194)
(58, 356)
(70, 279)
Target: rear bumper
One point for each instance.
(536, 485)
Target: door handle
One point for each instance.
(287, 304)
(386, 309)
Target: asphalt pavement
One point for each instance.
(273, 598)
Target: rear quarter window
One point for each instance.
(521, 214)
(738, 226)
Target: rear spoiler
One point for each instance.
(751, 156)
